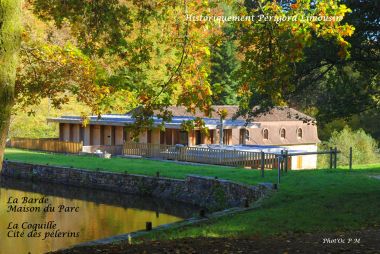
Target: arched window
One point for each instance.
(244, 136)
(283, 133)
(265, 134)
(299, 133)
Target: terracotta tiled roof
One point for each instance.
(275, 114)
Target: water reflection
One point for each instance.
(101, 214)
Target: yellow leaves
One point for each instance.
(56, 72)
(207, 51)
(343, 51)
(222, 113)
(315, 26)
(105, 90)
(244, 90)
(321, 5)
(267, 55)
(342, 43)
(348, 30)
(343, 9)
(25, 36)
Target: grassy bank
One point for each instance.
(307, 201)
(140, 166)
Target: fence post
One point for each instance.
(331, 157)
(350, 165)
(148, 226)
(335, 156)
(262, 163)
(282, 160)
(286, 161)
(279, 170)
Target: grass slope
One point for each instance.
(140, 166)
(308, 201)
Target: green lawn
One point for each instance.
(307, 201)
(141, 166)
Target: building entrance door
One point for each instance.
(198, 137)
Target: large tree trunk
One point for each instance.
(10, 40)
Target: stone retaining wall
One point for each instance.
(213, 194)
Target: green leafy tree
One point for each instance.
(273, 50)
(150, 58)
(162, 57)
(23, 125)
(224, 65)
(368, 121)
(364, 147)
(342, 87)
(10, 40)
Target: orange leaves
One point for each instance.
(294, 6)
(347, 30)
(244, 88)
(343, 43)
(272, 48)
(332, 28)
(342, 53)
(143, 98)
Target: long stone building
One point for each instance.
(280, 127)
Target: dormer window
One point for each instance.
(283, 133)
(299, 133)
(266, 134)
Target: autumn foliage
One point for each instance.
(270, 50)
(148, 54)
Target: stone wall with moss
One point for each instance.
(213, 194)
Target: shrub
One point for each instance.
(364, 147)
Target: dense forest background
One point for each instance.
(339, 92)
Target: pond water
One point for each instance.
(95, 214)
